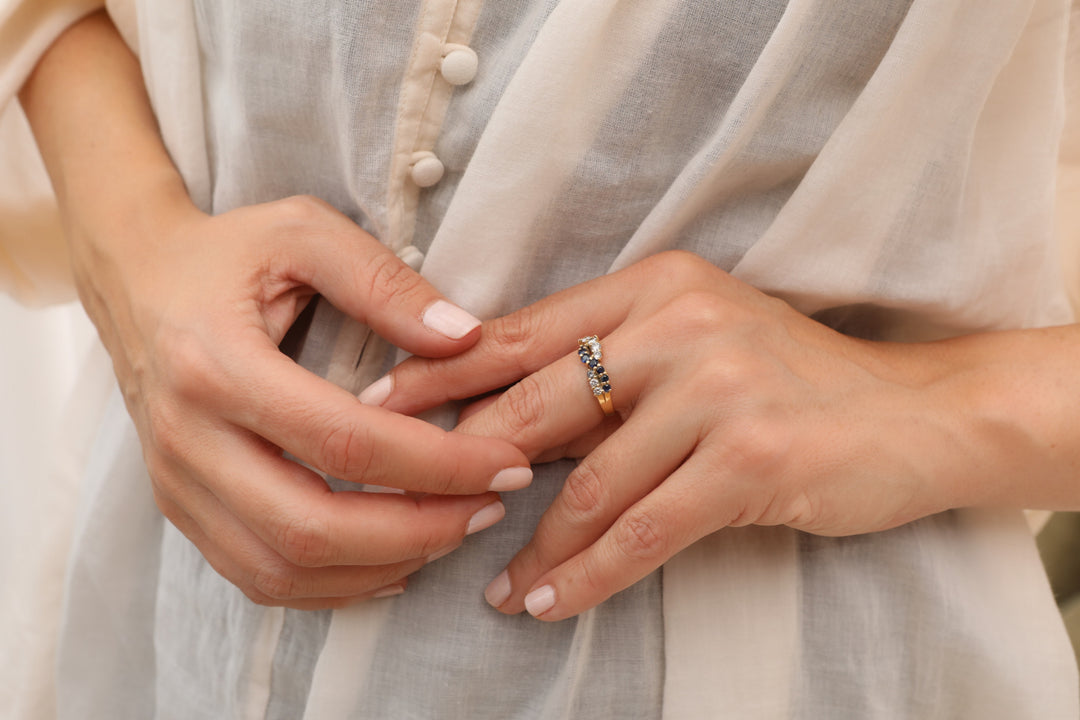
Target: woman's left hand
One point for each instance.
(731, 409)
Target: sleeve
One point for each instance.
(33, 258)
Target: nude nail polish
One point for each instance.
(389, 591)
(449, 320)
(513, 478)
(377, 392)
(540, 600)
(498, 590)
(485, 517)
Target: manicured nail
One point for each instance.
(513, 478)
(540, 600)
(485, 517)
(449, 320)
(499, 590)
(441, 553)
(377, 392)
(389, 591)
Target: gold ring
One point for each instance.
(590, 354)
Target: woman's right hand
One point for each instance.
(192, 310)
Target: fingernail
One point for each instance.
(498, 591)
(513, 478)
(389, 591)
(377, 392)
(540, 600)
(449, 320)
(441, 553)
(485, 517)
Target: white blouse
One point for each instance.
(887, 168)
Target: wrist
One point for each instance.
(999, 417)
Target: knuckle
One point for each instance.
(275, 583)
(304, 541)
(345, 451)
(757, 446)
(583, 493)
(522, 405)
(300, 209)
(641, 536)
(681, 266)
(189, 369)
(423, 538)
(511, 335)
(696, 313)
(448, 478)
(168, 508)
(167, 431)
(720, 380)
(389, 278)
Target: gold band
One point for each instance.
(590, 354)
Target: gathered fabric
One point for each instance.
(888, 169)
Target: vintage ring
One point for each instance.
(599, 382)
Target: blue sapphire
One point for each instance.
(606, 387)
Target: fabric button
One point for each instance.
(459, 65)
(427, 169)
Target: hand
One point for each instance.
(192, 313)
(732, 409)
(191, 309)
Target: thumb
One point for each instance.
(366, 280)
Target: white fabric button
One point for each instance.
(426, 169)
(459, 64)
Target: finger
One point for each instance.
(621, 471)
(366, 280)
(328, 428)
(555, 405)
(295, 513)
(266, 578)
(674, 515)
(510, 347)
(578, 447)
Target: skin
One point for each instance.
(733, 409)
(191, 309)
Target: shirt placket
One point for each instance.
(441, 61)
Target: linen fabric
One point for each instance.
(886, 169)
